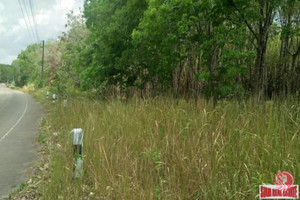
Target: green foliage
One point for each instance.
(6, 73)
(157, 40)
(111, 24)
(27, 67)
(214, 48)
(74, 47)
(63, 61)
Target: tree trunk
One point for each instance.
(259, 68)
(294, 72)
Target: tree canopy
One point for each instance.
(211, 48)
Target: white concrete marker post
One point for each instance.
(47, 94)
(65, 103)
(77, 148)
(53, 98)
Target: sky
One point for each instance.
(50, 18)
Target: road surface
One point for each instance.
(19, 118)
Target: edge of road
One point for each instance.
(36, 165)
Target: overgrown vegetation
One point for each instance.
(215, 49)
(6, 74)
(167, 148)
(173, 143)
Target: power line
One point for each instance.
(29, 33)
(30, 22)
(34, 20)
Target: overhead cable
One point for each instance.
(27, 26)
(34, 19)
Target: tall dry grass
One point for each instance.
(166, 148)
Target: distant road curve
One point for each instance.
(19, 118)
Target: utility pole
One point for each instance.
(43, 59)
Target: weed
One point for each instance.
(167, 148)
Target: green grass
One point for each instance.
(166, 148)
(20, 188)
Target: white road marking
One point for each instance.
(16, 124)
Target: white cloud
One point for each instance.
(14, 31)
(50, 19)
(65, 5)
(22, 23)
(9, 58)
(2, 19)
(43, 17)
(1, 7)
(2, 29)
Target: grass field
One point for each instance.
(166, 148)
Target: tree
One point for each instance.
(111, 24)
(27, 67)
(258, 17)
(289, 21)
(6, 73)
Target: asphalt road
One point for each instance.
(19, 118)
